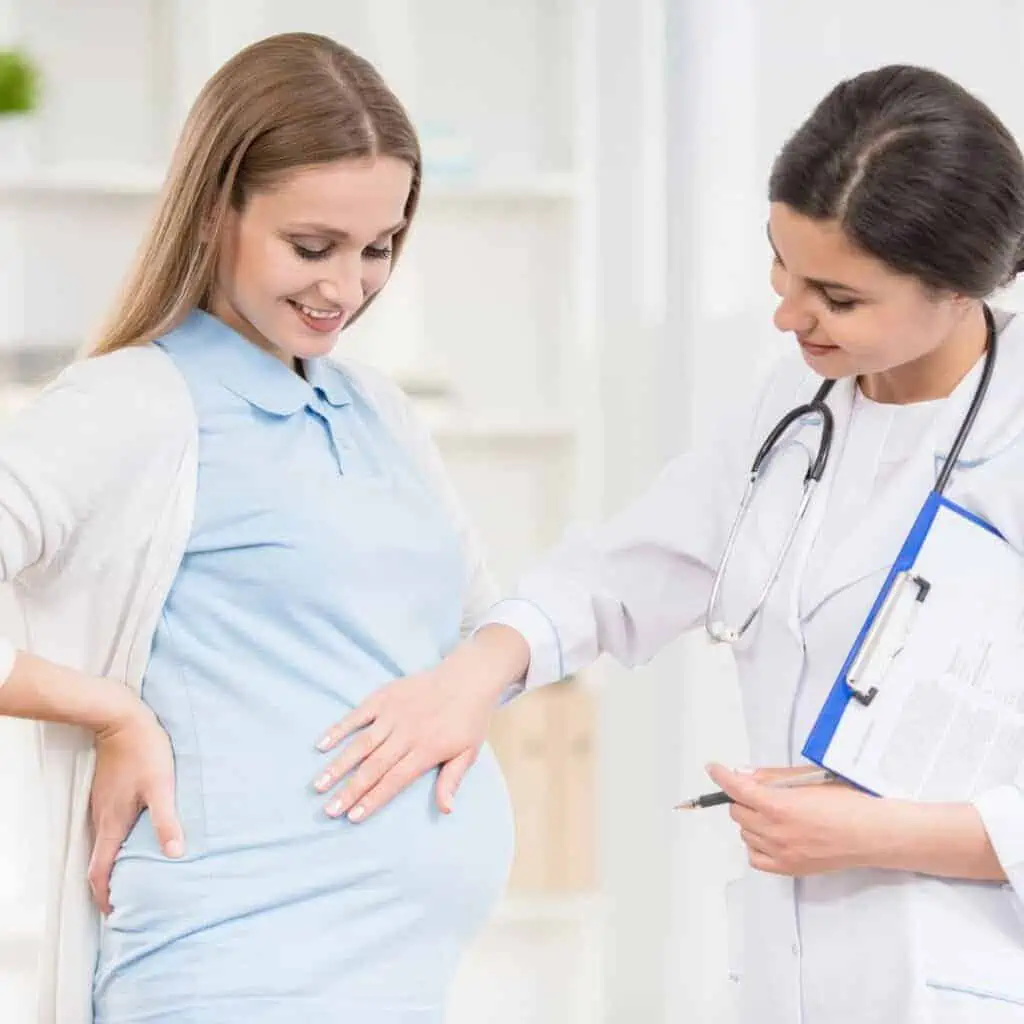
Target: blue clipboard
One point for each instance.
(845, 689)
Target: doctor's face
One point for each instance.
(851, 314)
(299, 260)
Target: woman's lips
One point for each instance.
(814, 348)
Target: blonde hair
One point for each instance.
(285, 102)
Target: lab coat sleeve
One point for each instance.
(999, 493)
(628, 587)
(68, 455)
(1002, 813)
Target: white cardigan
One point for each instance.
(97, 494)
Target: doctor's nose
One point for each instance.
(793, 315)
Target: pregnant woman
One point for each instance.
(218, 543)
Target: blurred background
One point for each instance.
(585, 286)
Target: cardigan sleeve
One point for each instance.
(74, 453)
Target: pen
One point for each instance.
(812, 778)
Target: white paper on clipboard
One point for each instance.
(947, 721)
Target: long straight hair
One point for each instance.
(289, 101)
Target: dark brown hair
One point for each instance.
(919, 173)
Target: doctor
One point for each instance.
(895, 210)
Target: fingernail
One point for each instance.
(334, 808)
(324, 781)
(357, 813)
(175, 848)
(324, 744)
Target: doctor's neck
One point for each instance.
(935, 374)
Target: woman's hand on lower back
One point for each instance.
(134, 771)
(409, 727)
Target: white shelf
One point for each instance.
(140, 181)
(84, 180)
(450, 426)
(501, 189)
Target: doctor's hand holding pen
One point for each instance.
(795, 828)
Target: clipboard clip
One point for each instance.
(887, 635)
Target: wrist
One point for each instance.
(39, 689)
(895, 834)
(496, 657)
(116, 707)
(944, 840)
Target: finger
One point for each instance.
(382, 761)
(164, 817)
(101, 864)
(743, 788)
(357, 718)
(747, 818)
(408, 770)
(763, 862)
(755, 843)
(760, 855)
(774, 774)
(450, 777)
(353, 755)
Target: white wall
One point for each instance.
(742, 75)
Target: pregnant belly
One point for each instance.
(379, 908)
(230, 812)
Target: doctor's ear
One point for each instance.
(960, 303)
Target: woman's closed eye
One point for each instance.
(307, 252)
(838, 305)
(321, 252)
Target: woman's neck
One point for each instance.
(936, 374)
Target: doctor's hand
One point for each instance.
(134, 770)
(805, 830)
(410, 726)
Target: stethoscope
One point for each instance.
(717, 629)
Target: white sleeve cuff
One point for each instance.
(547, 664)
(8, 652)
(1002, 813)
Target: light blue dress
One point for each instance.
(320, 566)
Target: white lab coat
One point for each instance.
(849, 947)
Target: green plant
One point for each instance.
(19, 83)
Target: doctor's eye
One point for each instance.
(839, 306)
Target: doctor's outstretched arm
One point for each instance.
(625, 589)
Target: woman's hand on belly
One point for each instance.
(440, 717)
(134, 770)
